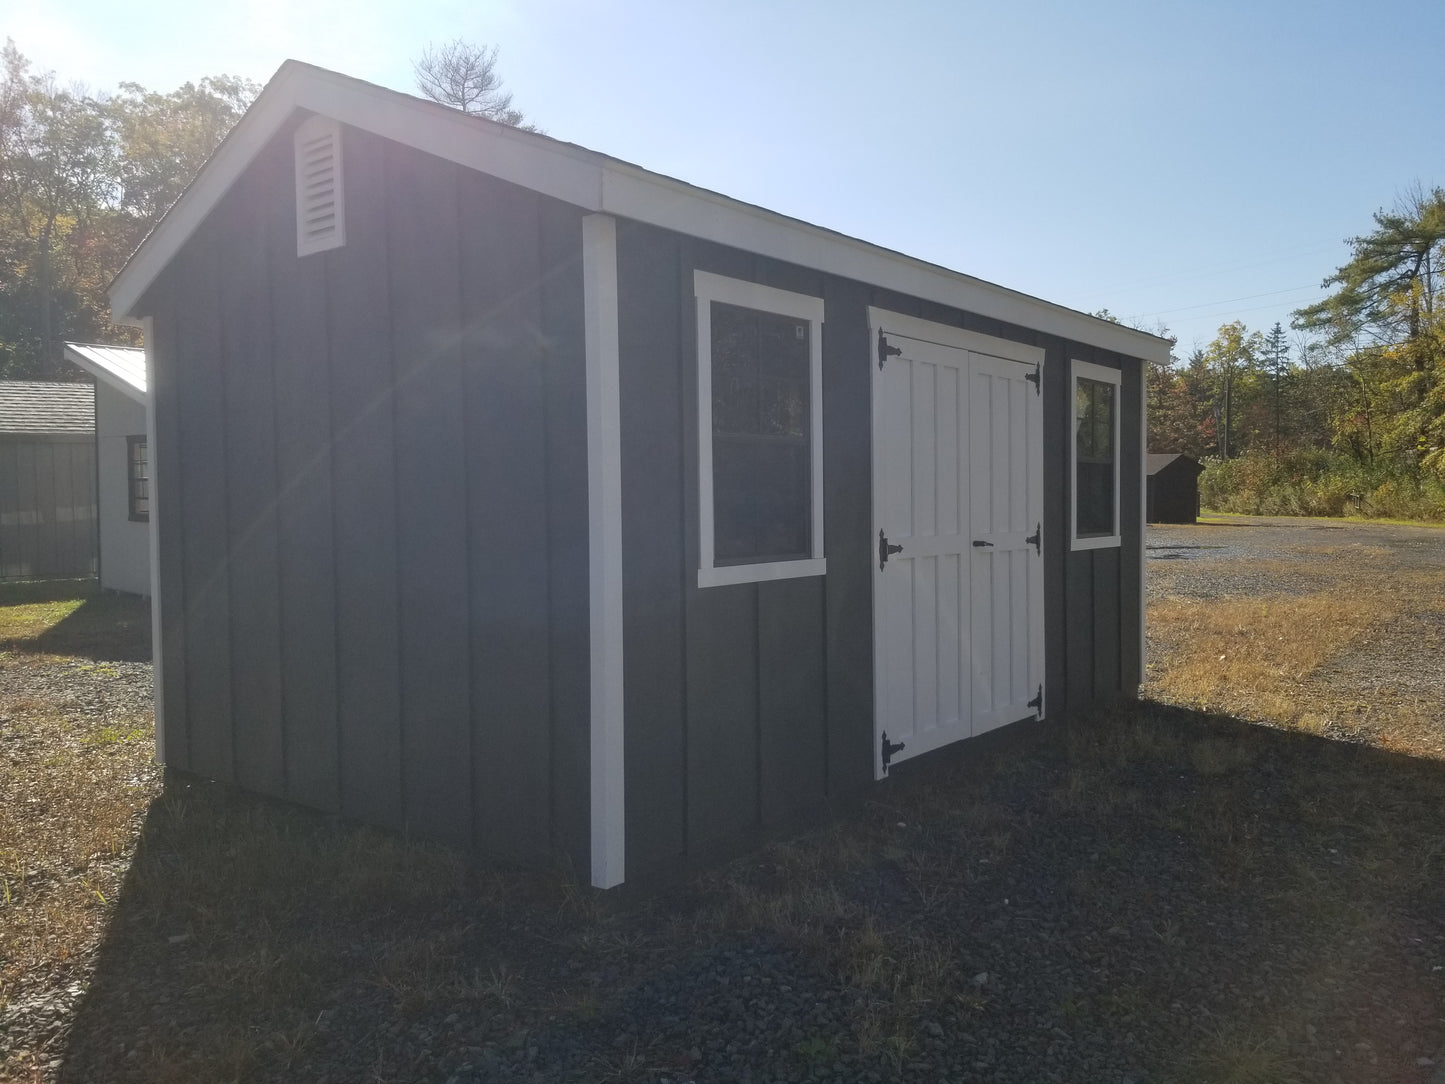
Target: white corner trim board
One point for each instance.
(157, 655)
(604, 521)
(1143, 514)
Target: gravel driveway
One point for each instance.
(1394, 669)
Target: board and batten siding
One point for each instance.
(373, 527)
(748, 705)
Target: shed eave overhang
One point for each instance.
(596, 183)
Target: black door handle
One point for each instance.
(979, 542)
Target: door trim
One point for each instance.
(911, 327)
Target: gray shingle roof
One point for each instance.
(41, 406)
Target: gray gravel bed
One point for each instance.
(1023, 915)
(1056, 936)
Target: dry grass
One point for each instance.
(1314, 654)
(1252, 655)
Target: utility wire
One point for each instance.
(1229, 300)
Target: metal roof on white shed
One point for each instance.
(122, 367)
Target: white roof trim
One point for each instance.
(595, 183)
(122, 367)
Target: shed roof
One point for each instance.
(46, 406)
(597, 183)
(122, 367)
(1157, 461)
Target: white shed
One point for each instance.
(122, 462)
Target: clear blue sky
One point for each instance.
(1189, 163)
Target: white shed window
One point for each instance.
(1096, 456)
(320, 206)
(760, 432)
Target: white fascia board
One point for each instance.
(633, 193)
(532, 161)
(593, 182)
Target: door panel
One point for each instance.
(921, 617)
(958, 643)
(1005, 460)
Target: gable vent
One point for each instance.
(320, 209)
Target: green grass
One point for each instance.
(1208, 514)
(73, 618)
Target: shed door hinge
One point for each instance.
(1033, 376)
(884, 549)
(889, 748)
(1037, 703)
(1036, 539)
(885, 351)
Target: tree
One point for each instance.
(1276, 357)
(464, 76)
(1232, 358)
(55, 164)
(1385, 318)
(163, 140)
(83, 178)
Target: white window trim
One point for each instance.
(1084, 370)
(749, 295)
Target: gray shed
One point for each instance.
(524, 498)
(47, 480)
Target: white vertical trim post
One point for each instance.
(1143, 508)
(604, 519)
(158, 661)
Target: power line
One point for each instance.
(1228, 301)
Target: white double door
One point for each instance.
(958, 507)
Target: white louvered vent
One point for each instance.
(320, 208)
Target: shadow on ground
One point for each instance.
(107, 626)
(1150, 894)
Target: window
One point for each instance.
(1096, 456)
(760, 440)
(138, 479)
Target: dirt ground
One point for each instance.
(1329, 627)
